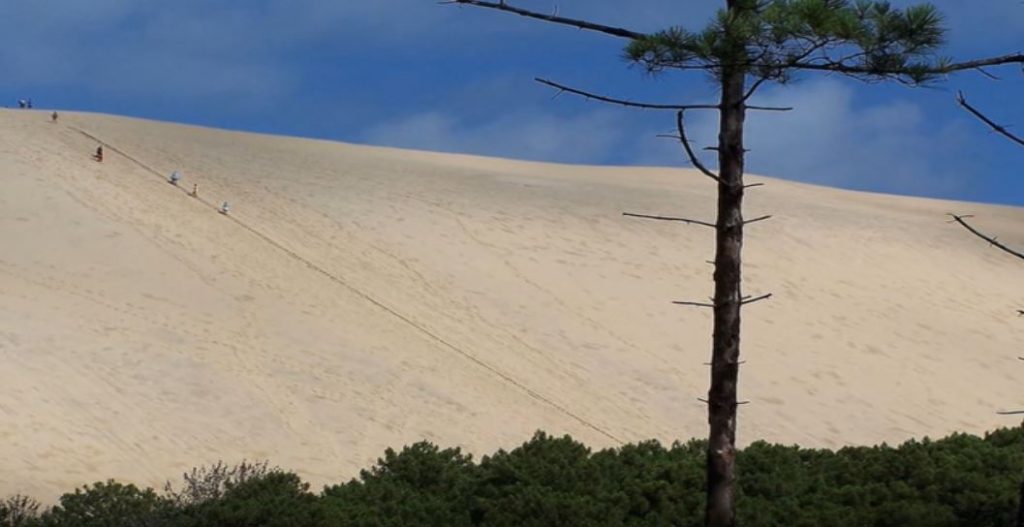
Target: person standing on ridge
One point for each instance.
(99, 154)
(53, 117)
(195, 190)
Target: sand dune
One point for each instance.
(358, 298)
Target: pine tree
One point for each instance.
(748, 44)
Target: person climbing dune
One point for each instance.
(53, 117)
(99, 154)
(175, 177)
(225, 208)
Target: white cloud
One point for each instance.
(583, 138)
(831, 139)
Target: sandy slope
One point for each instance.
(359, 298)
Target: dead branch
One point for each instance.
(1014, 412)
(769, 108)
(997, 127)
(693, 304)
(753, 88)
(751, 300)
(689, 149)
(752, 185)
(581, 24)
(669, 218)
(624, 102)
(706, 148)
(990, 239)
(761, 218)
(649, 106)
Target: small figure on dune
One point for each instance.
(99, 154)
(225, 208)
(30, 104)
(175, 177)
(22, 103)
(195, 190)
(53, 117)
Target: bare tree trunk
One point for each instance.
(725, 355)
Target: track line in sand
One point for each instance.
(366, 296)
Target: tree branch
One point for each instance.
(582, 24)
(749, 300)
(998, 128)
(990, 239)
(650, 106)
(753, 88)
(693, 304)
(760, 218)
(814, 46)
(669, 218)
(624, 102)
(841, 67)
(689, 150)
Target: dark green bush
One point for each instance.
(421, 485)
(18, 511)
(959, 481)
(273, 499)
(105, 504)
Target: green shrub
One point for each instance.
(272, 499)
(421, 485)
(959, 481)
(18, 511)
(107, 504)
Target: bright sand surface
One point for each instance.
(358, 298)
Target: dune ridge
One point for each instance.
(361, 297)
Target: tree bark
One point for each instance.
(725, 354)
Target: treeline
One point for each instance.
(961, 480)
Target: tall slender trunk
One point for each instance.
(725, 355)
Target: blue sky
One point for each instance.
(413, 73)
